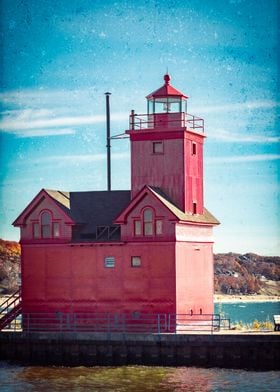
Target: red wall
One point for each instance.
(194, 173)
(194, 278)
(73, 278)
(161, 170)
(177, 171)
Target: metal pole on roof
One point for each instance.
(108, 146)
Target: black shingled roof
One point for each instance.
(93, 211)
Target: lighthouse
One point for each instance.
(131, 254)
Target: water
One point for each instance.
(247, 312)
(15, 378)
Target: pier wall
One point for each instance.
(256, 351)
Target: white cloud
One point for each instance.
(20, 123)
(85, 158)
(42, 97)
(45, 132)
(233, 137)
(246, 158)
(45, 122)
(233, 107)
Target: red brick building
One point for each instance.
(144, 251)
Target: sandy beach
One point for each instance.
(246, 298)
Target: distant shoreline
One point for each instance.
(221, 298)
(245, 298)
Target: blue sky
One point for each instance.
(59, 57)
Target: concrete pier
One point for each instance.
(246, 351)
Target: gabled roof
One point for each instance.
(166, 90)
(205, 218)
(61, 199)
(86, 210)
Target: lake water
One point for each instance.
(134, 379)
(247, 312)
(16, 378)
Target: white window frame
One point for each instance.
(136, 261)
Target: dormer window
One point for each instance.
(36, 230)
(45, 227)
(56, 229)
(137, 227)
(148, 221)
(149, 225)
(46, 224)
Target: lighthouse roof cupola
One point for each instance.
(166, 99)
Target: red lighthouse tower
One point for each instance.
(167, 149)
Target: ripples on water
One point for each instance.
(133, 379)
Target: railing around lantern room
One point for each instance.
(166, 120)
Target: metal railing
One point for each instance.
(10, 310)
(167, 120)
(122, 323)
(10, 302)
(103, 233)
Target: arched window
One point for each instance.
(148, 221)
(148, 224)
(46, 224)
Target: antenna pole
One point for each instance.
(108, 146)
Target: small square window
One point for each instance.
(135, 261)
(36, 230)
(158, 147)
(194, 149)
(109, 262)
(56, 229)
(158, 227)
(137, 227)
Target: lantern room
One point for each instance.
(166, 99)
(166, 109)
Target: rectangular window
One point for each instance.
(158, 147)
(56, 229)
(46, 231)
(36, 230)
(194, 148)
(158, 227)
(135, 261)
(148, 228)
(137, 227)
(194, 208)
(109, 262)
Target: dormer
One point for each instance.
(46, 219)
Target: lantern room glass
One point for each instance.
(166, 105)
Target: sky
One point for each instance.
(58, 58)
